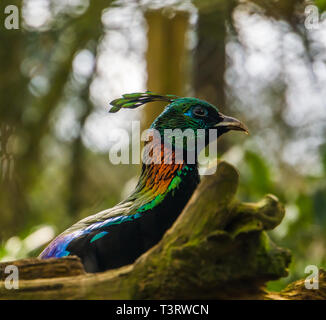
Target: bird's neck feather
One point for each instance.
(166, 176)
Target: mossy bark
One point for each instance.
(217, 249)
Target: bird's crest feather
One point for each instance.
(137, 99)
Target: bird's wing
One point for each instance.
(98, 219)
(95, 225)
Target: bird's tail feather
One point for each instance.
(135, 100)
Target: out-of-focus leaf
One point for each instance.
(260, 180)
(321, 4)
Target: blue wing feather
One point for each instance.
(57, 248)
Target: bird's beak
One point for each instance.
(230, 123)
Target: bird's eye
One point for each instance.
(199, 111)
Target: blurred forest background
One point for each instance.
(255, 59)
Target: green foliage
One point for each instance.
(321, 4)
(258, 175)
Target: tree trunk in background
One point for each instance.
(166, 58)
(13, 91)
(77, 176)
(209, 55)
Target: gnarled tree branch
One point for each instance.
(217, 249)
